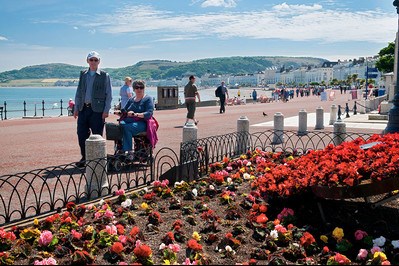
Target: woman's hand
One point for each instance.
(130, 113)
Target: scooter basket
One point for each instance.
(113, 131)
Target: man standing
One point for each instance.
(92, 102)
(190, 92)
(254, 96)
(222, 92)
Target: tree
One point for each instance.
(387, 57)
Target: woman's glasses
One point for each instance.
(93, 60)
(139, 87)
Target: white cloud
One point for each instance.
(219, 3)
(75, 28)
(92, 31)
(283, 21)
(2, 38)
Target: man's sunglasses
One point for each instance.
(139, 87)
(93, 60)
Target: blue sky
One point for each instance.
(36, 32)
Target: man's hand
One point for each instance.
(105, 115)
(75, 114)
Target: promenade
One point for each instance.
(28, 144)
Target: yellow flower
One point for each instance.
(380, 254)
(196, 236)
(36, 222)
(338, 233)
(324, 238)
(166, 262)
(144, 206)
(290, 158)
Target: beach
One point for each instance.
(29, 144)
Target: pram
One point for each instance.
(142, 150)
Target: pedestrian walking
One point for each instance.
(190, 94)
(223, 94)
(254, 96)
(92, 102)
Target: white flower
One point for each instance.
(395, 243)
(162, 246)
(211, 187)
(379, 242)
(228, 248)
(177, 184)
(295, 245)
(246, 176)
(249, 164)
(101, 203)
(229, 180)
(274, 234)
(195, 192)
(127, 203)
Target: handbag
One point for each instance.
(113, 131)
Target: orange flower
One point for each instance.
(194, 245)
(307, 239)
(261, 219)
(142, 251)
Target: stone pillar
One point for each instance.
(278, 136)
(302, 122)
(242, 135)
(333, 114)
(339, 132)
(319, 118)
(190, 132)
(96, 171)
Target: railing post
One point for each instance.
(5, 110)
(242, 135)
(278, 136)
(35, 110)
(347, 110)
(319, 118)
(24, 108)
(333, 114)
(302, 122)
(354, 109)
(61, 107)
(43, 106)
(96, 171)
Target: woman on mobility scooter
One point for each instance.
(136, 120)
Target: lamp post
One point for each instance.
(393, 115)
(367, 77)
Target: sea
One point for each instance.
(46, 101)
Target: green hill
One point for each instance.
(163, 69)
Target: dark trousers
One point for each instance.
(88, 121)
(222, 103)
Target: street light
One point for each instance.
(367, 77)
(393, 115)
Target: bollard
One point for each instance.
(96, 171)
(190, 132)
(339, 113)
(347, 110)
(278, 136)
(319, 118)
(61, 107)
(333, 114)
(242, 135)
(302, 123)
(339, 134)
(35, 110)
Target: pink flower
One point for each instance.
(98, 215)
(280, 229)
(385, 262)
(120, 192)
(359, 234)
(49, 261)
(122, 239)
(362, 254)
(188, 262)
(45, 238)
(375, 249)
(156, 183)
(174, 247)
(123, 263)
(112, 230)
(105, 207)
(165, 183)
(76, 234)
(109, 214)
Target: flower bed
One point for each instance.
(235, 215)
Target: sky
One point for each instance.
(34, 32)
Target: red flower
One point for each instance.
(194, 245)
(307, 239)
(261, 219)
(134, 232)
(120, 229)
(117, 248)
(142, 251)
(70, 206)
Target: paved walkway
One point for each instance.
(28, 144)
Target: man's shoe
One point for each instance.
(81, 163)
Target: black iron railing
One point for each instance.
(43, 191)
